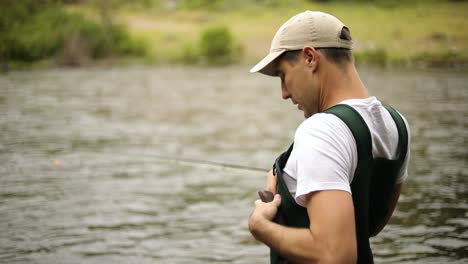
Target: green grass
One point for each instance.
(427, 32)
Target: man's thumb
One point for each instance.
(277, 200)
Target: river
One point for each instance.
(80, 181)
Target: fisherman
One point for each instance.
(339, 182)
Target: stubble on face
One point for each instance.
(291, 86)
(303, 89)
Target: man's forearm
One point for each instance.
(331, 237)
(295, 244)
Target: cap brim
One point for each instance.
(266, 65)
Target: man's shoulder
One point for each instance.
(324, 127)
(363, 102)
(321, 122)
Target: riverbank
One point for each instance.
(410, 33)
(427, 33)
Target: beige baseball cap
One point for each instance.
(313, 28)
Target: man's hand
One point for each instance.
(263, 212)
(271, 182)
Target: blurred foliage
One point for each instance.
(377, 56)
(227, 5)
(76, 31)
(442, 58)
(217, 45)
(189, 55)
(191, 4)
(33, 30)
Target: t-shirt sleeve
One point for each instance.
(324, 156)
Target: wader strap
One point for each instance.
(360, 186)
(402, 135)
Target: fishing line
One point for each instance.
(167, 159)
(193, 162)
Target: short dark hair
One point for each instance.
(335, 55)
(290, 56)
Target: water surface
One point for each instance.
(79, 183)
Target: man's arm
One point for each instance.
(391, 208)
(330, 238)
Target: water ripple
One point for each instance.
(78, 185)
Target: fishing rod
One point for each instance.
(174, 160)
(206, 163)
(194, 162)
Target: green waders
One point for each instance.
(371, 188)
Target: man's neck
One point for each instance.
(340, 83)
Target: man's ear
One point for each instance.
(312, 57)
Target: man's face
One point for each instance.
(297, 84)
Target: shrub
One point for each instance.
(217, 45)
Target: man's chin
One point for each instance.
(306, 114)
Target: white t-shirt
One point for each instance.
(324, 155)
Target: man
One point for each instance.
(328, 176)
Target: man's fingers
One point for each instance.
(267, 197)
(277, 200)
